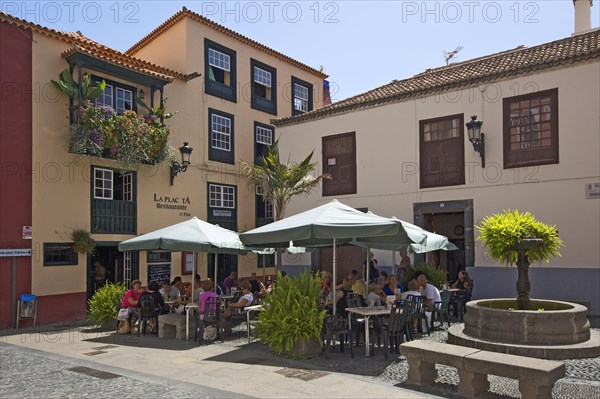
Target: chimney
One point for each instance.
(583, 15)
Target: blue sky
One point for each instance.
(360, 44)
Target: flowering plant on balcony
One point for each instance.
(128, 137)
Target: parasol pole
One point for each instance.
(188, 308)
(216, 269)
(334, 280)
(368, 263)
(394, 268)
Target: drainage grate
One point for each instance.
(94, 353)
(99, 348)
(304, 375)
(103, 375)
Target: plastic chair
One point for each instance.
(396, 327)
(355, 300)
(119, 299)
(336, 325)
(148, 311)
(212, 316)
(440, 310)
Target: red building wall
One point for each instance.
(15, 160)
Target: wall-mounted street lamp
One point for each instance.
(477, 138)
(141, 94)
(176, 167)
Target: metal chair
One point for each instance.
(337, 326)
(440, 310)
(119, 299)
(212, 316)
(396, 327)
(416, 311)
(148, 311)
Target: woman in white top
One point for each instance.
(245, 300)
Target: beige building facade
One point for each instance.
(225, 89)
(403, 150)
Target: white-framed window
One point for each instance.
(106, 98)
(262, 83)
(301, 96)
(219, 60)
(128, 187)
(264, 135)
(221, 132)
(268, 210)
(221, 196)
(103, 183)
(123, 100)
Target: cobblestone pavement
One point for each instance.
(28, 373)
(582, 379)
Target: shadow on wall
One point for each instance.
(564, 284)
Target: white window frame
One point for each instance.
(107, 93)
(301, 100)
(120, 97)
(102, 185)
(262, 77)
(216, 194)
(219, 60)
(128, 187)
(264, 135)
(220, 140)
(268, 209)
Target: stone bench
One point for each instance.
(172, 325)
(536, 376)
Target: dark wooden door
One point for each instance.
(339, 161)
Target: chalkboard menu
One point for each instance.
(159, 272)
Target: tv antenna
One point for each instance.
(451, 54)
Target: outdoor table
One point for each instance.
(248, 310)
(367, 312)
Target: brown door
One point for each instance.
(347, 258)
(442, 151)
(339, 161)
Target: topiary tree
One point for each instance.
(514, 237)
(292, 314)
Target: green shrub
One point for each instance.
(501, 233)
(82, 241)
(435, 276)
(103, 304)
(292, 312)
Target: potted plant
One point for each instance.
(104, 304)
(435, 276)
(83, 242)
(514, 237)
(292, 319)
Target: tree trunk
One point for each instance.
(523, 285)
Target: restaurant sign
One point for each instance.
(173, 203)
(221, 212)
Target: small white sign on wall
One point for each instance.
(27, 232)
(592, 190)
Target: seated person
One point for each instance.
(169, 292)
(254, 284)
(326, 286)
(383, 278)
(391, 286)
(358, 285)
(245, 300)
(428, 290)
(376, 295)
(413, 289)
(208, 287)
(197, 290)
(267, 287)
(341, 298)
(463, 281)
(159, 303)
(178, 283)
(229, 282)
(131, 300)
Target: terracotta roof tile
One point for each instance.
(185, 13)
(519, 61)
(96, 49)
